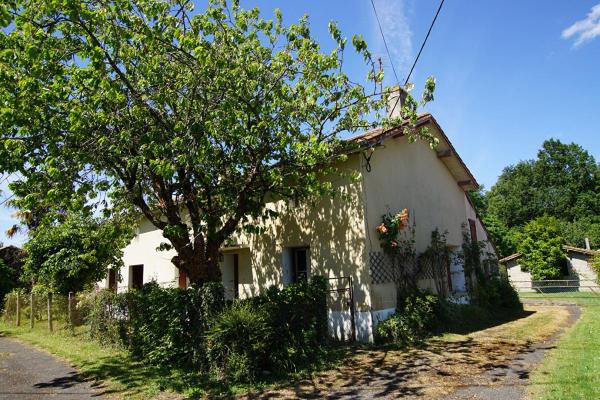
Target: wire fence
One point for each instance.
(557, 286)
(23, 308)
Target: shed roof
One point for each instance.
(580, 250)
(511, 257)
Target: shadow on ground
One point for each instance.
(422, 372)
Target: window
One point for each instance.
(112, 280)
(473, 229)
(182, 279)
(136, 276)
(300, 264)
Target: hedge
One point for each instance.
(279, 331)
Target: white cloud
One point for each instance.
(394, 22)
(585, 29)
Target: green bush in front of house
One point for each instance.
(421, 314)
(496, 293)
(415, 318)
(164, 326)
(277, 332)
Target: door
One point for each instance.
(136, 276)
(457, 277)
(228, 275)
(112, 280)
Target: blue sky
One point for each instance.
(510, 74)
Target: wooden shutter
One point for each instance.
(182, 279)
(473, 229)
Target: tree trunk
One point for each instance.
(199, 267)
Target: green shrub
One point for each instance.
(105, 314)
(164, 326)
(494, 293)
(293, 322)
(239, 342)
(279, 331)
(415, 318)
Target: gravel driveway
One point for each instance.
(27, 373)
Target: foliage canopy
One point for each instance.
(74, 254)
(540, 242)
(194, 118)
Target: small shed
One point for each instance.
(578, 263)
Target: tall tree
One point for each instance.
(564, 181)
(194, 118)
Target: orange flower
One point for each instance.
(381, 228)
(404, 215)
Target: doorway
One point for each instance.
(136, 276)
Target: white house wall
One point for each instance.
(411, 176)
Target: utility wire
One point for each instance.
(385, 43)
(422, 46)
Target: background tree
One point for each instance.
(575, 232)
(564, 182)
(11, 270)
(194, 118)
(74, 254)
(540, 242)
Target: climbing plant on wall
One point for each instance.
(397, 239)
(437, 258)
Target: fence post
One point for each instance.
(70, 309)
(31, 314)
(18, 319)
(50, 312)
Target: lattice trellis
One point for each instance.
(425, 269)
(380, 267)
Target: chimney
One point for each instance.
(395, 101)
(587, 244)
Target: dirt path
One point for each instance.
(508, 382)
(489, 364)
(27, 373)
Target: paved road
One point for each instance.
(29, 374)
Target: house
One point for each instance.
(581, 275)
(336, 237)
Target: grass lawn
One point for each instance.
(572, 369)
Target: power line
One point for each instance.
(385, 43)
(424, 41)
